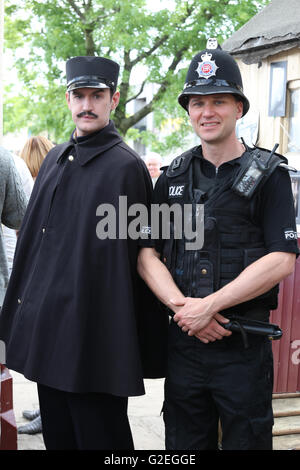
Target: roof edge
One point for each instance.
(255, 55)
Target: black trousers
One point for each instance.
(84, 421)
(220, 381)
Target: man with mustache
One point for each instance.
(71, 319)
(250, 245)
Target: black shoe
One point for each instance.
(31, 414)
(34, 427)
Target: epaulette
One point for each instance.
(284, 164)
(287, 167)
(180, 164)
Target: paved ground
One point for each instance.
(144, 414)
(145, 417)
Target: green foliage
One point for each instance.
(43, 34)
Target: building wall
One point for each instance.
(256, 80)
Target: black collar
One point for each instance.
(235, 161)
(93, 145)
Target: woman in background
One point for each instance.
(34, 152)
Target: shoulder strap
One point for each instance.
(180, 164)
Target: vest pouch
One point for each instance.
(211, 235)
(193, 275)
(253, 254)
(232, 264)
(183, 271)
(211, 251)
(268, 300)
(203, 276)
(199, 270)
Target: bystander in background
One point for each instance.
(153, 162)
(34, 152)
(13, 203)
(9, 234)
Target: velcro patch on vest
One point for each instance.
(290, 234)
(176, 190)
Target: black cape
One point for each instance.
(76, 316)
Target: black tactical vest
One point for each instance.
(233, 238)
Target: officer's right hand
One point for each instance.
(195, 314)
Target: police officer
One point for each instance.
(71, 319)
(250, 245)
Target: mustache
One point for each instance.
(86, 113)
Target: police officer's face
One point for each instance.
(214, 117)
(91, 108)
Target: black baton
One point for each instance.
(245, 325)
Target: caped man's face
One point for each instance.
(214, 117)
(91, 108)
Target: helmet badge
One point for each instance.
(207, 68)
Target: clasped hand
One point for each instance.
(195, 316)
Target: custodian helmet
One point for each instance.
(213, 71)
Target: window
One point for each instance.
(277, 91)
(296, 193)
(291, 141)
(294, 120)
(290, 125)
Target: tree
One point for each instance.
(155, 44)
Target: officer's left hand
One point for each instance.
(195, 314)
